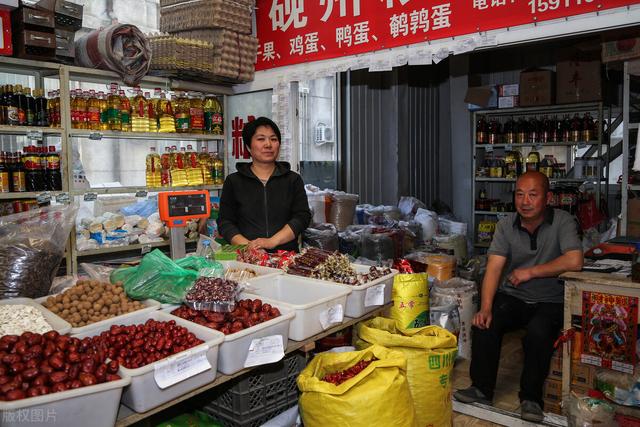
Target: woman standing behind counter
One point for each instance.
(263, 204)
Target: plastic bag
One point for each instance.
(455, 242)
(428, 221)
(343, 208)
(159, 278)
(144, 209)
(322, 236)
(32, 246)
(98, 272)
(430, 353)
(410, 205)
(589, 412)
(464, 294)
(349, 243)
(410, 297)
(377, 247)
(379, 395)
(446, 316)
(619, 387)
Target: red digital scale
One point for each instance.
(178, 207)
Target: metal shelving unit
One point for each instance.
(68, 136)
(503, 186)
(631, 71)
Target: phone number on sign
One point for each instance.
(541, 6)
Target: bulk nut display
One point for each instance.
(34, 365)
(90, 301)
(210, 289)
(19, 318)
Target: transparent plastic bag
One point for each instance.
(322, 236)
(98, 272)
(447, 317)
(32, 246)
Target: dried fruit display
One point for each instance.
(338, 378)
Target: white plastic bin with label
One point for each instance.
(318, 305)
(95, 405)
(149, 307)
(57, 323)
(144, 393)
(258, 269)
(368, 296)
(233, 351)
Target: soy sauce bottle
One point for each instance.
(53, 176)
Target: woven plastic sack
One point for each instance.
(410, 296)
(159, 278)
(430, 352)
(32, 246)
(343, 209)
(377, 396)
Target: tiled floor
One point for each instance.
(507, 386)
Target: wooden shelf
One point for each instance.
(127, 417)
(23, 130)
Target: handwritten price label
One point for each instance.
(180, 367)
(331, 316)
(374, 295)
(265, 350)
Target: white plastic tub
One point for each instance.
(95, 405)
(149, 307)
(57, 323)
(233, 351)
(144, 394)
(357, 300)
(260, 270)
(309, 298)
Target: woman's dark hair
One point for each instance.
(250, 129)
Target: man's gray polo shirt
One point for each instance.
(557, 234)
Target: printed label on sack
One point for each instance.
(265, 350)
(374, 295)
(331, 316)
(180, 367)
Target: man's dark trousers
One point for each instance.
(542, 322)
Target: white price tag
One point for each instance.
(265, 350)
(34, 135)
(538, 147)
(508, 147)
(488, 148)
(331, 316)
(180, 367)
(374, 295)
(95, 136)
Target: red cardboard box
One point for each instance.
(6, 45)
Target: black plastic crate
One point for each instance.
(263, 392)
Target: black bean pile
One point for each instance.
(27, 268)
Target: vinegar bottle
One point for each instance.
(153, 169)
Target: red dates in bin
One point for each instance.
(247, 313)
(34, 365)
(134, 346)
(338, 378)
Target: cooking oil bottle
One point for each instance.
(181, 108)
(93, 108)
(153, 169)
(83, 122)
(196, 113)
(218, 169)
(165, 168)
(125, 111)
(166, 121)
(102, 103)
(194, 173)
(151, 112)
(178, 172)
(114, 113)
(139, 113)
(213, 116)
(204, 161)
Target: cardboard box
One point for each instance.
(555, 369)
(536, 88)
(621, 50)
(6, 43)
(553, 407)
(8, 4)
(481, 97)
(633, 218)
(508, 101)
(552, 390)
(580, 390)
(582, 374)
(509, 90)
(578, 81)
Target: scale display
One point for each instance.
(177, 207)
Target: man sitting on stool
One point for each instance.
(521, 289)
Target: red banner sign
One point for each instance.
(295, 31)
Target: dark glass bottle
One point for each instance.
(18, 181)
(5, 185)
(12, 107)
(31, 107)
(20, 101)
(42, 116)
(53, 175)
